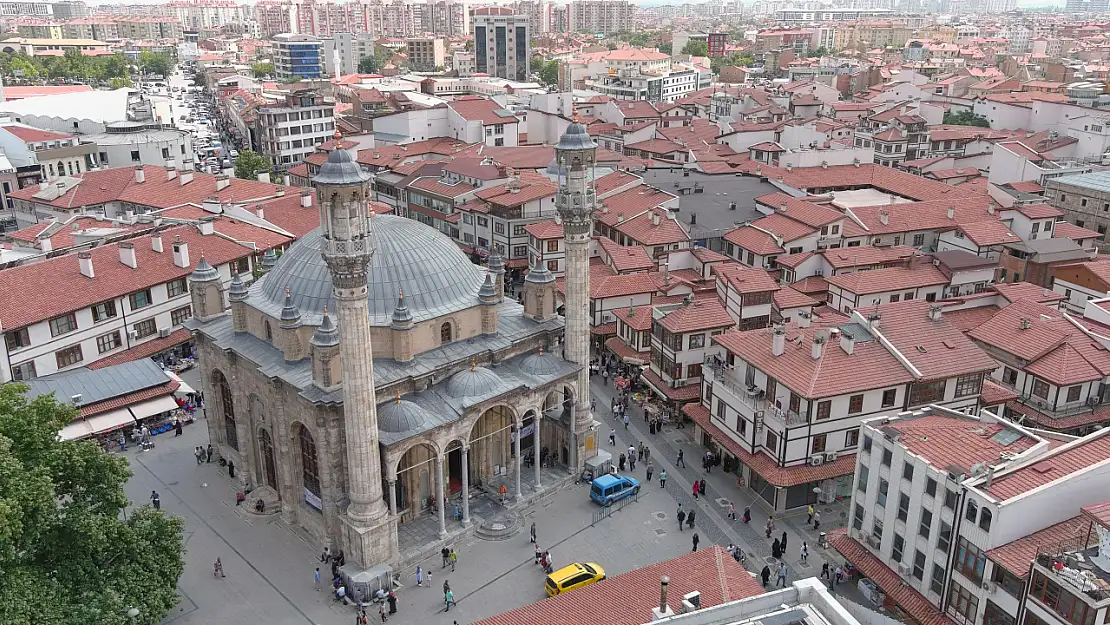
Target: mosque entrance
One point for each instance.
(266, 450)
(454, 467)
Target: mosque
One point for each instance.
(373, 366)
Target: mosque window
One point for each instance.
(309, 468)
(445, 333)
(229, 411)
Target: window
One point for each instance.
(936, 582)
(553, 265)
(1061, 601)
(877, 530)
(23, 371)
(970, 561)
(520, 251)
(63, 325)
(134, 156)
(179, 316)
(1007, 581)
(499, 227)
(165, 153)
(855, 404)
(903, 507)
(851, 437)
(945, 540)
(963, 602)
(146, 328)
(824, 409)
(1040, 388)
(1073, 393)
(177, 287)
(925, 526)
(140, 299)
(819, 443)
(889, 396)
(969, 384)
(1009, 376)
(884, 486)
(887, 457)
(894, 298)
(930, 487)
(310, 470)
(972, 510)
(104, 310)
(17, 339)
(867, 443)
(445, 333)
(950, 499)
(108, 342)
(857, 517)
(864, 474)
(985, 518)
(228, 404)
(697, 341)
(919, 565)
(553, 245)
(898, 549)
(772, 441)
(918, 240)
(68, 356)
(926, 392)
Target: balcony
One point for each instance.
(1069, 565)
(753, 397)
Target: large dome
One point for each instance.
(437, 277)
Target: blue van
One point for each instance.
(611, 487)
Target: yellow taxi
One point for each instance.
(573, 576)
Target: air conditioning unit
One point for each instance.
(862, 535)
(873, 542)
(816, 460)
(904, 569)
(989, 586)
(831, 456)
(163, 333)
(131, 334)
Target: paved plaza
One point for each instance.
(269, 566)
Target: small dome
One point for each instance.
(400, 415)
(269, 259)
(204, 272)
(340, 168)
(290, 314)
(576, 138)
(238, 290)
(326, 334)
(488, 292)
(401, 314)
(539, 274)
(555, 169)
(540, 365)
(496, 262)
(476, 382)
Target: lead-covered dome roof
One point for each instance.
(474, 382)
(401, 416)
(436, 276)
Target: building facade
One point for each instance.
(298, 56)
(291, 130)
(502, 43)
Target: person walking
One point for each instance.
(697, 489)
(825, 571)
(696, 539)
(681, 519)
(218, 569)
(612, 438)
(650, 470)
(782, 575)
(647, 452)
(625, 414)
(663, 478)
(731, 512)
(776, 549)
(532, 533)
(156, 500)
(316, 578)
(446, 586)
(382, 611)
(784, 541)
(177, 428)
(747, 514)
(445, 555)
(419, 576)
(208, 456)
(809, 514)
(640, 452)
(770, 525)
(325, 557)
(701, 487)
(680, 461)
(816, 520)
(690, 518)
(196, 454)
(449, 599)
(620, 462)
(454, 557)
(765, 574)
(804, 553)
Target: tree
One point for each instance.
(262, 70)
(26, 67)
(696, 48)
(736, 59)
(549, 73)
(369, 64)
(820, 52)
(250, 163)
(200, 79)
(66, 554)
(965, 118)
(155, 63)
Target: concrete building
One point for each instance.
(502, 43)
(426, 54)
(58, 154)
(603, 17)
(199, 14)
(126, 144)
(298, 56)
(350, 48)
(292, 129)
(1084, 198)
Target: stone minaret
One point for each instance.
(576, 204)
(368, 534)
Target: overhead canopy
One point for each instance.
(105, 422)
(183, 389)
(152, 407)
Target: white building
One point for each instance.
(502, 43)
(601, 16)
(197, 14)
(134, 143)
(298, 56)
(292, 129)
(350, 49)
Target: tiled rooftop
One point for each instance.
(945, 440)
(1057, 464)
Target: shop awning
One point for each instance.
(75, 430)
(104, 422)
(152, 407)
(183, 389)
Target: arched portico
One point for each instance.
(412, 483)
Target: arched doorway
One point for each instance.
(453, 469)
(227, 404)
(310, 468)
(491, 446)
(269, 467)
(415, 481)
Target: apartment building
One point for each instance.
(499, 216)
(298, 56)
(502, 43)
(426, 54)
(351, 48)
(200, 14)
(58, 154)
(601, 16)
(1084, 198)
(681, 341)
(292, 129)
(980, 520)
(786, 404)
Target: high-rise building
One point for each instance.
(601, 16)
(502, 43)
(426, 54)
(298, 56)
(198, 14)
(349, 48)
(292, 129)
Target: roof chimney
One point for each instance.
(156, 242)
(186, 177)
(935, 313)
(990, 209)
(222, 182)
(46, 245)
(85, 260)
(127, 254)
(286, 180)
(261, 212)
(140, 175)
(306, 198)
(778, 340)
(847, 343)
(655, 218)
(264, 176)
(663, 610)
(211, 204)
(951, 212)
(805, 318)
(884, 217)
(818, 345)
(207, 226)
(693, 218)
(181, 253)
(171, 172)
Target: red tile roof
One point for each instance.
(994, 394)
(866, 175)
(898, 592)
(766, 466)
(753, 240)
(684, 393)
(888, 279)
(62, 288)
(145, 350)
(1017, 291)
(745, 279)
(787, 297)
(437, 186)
(642, 228)
(622, 285)
(656, 146)
(475, 108)
(526, 191)
(1038, 211)
(635, 317)
(705, 314)
(937, 349)
(625, 258)
(615, 180)
(1016, 556)
(946, 441)
(544, 230)
(1056, 464)
(1098, 512)
(390, 156)
(988, 233)
(867, 255)
(784, 226)
(626, 353)
(1071, 231)
(967, 319)
(34, 135)
(808, 213)
(627, 599)
(914, 216)
(123, 401)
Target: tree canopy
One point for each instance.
(155, 63)
(66, 554)
(696, 48)
(372, 64)
(114, 69)
(965, 118)
(262, 70)
(250, 163)
(736, 59)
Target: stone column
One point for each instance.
(440, 503)
(466, 485)
(393, 495)
(536, 448)
(519, 460)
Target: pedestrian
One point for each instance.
(444, 555)
(690, 518)
(454, 560)
(620, 462)
(316, 578)
(640, 452)
(680, 461)
(770, 525)
(538, 554)
(825, 571)
(747, 514)
(446, 586)
(731, 512)
(197, 452)
(449, 599)
(612, 438)
(782, 575)
(392, 599)
(650, 470)
(625, 418)
(681, 519)
(156, 500)
(784, 542)
(765, 574)
(816, 520)
(631, 453)
(122, 441)
(701, 487)
(809, 513)
(697, 489)
(231, 469)
(663, 478)
(218, 569)
(177, 428)
(326, 555)
(532, 533)
(419, 576)
(382, 611)
(839, 574)
(805, 552)
(696, 539)
(208, 456)
(647, 452)
(776, 549)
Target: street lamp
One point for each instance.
(132, 613)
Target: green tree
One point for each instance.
(965, 118)
(200, 79)
(26, 67)
(549, 73)
(66, 554)
(696, 48)
(736, 59)
(250, 163)
(666, 48)
(155, 63)
(369, 64)
(261, 70)
(819, 52)
(116, 66)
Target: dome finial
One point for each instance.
(473, 364)
(338, 136)
(541, 350)
(398, 400)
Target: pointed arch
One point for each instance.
(227, 405)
